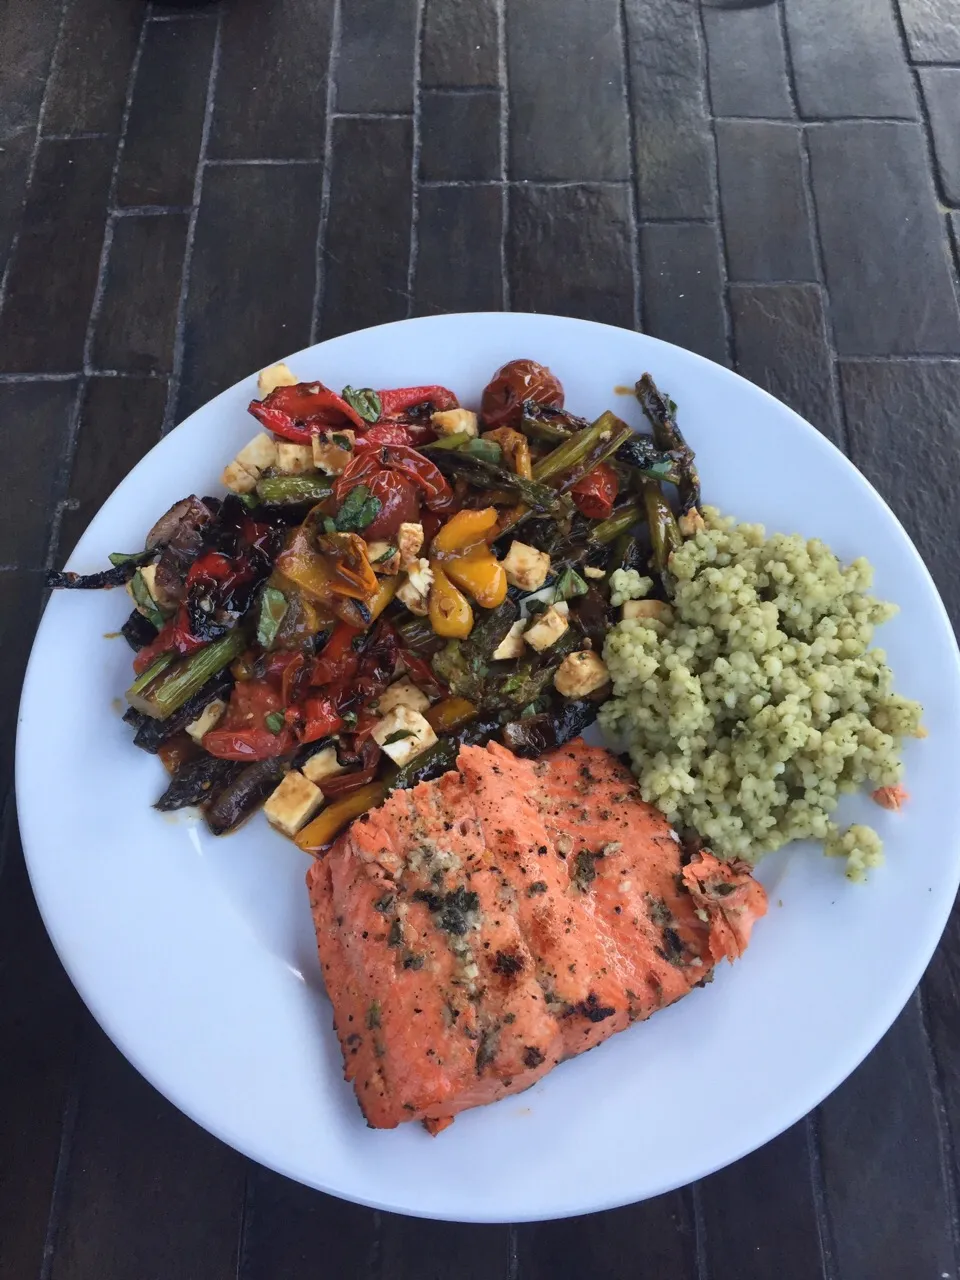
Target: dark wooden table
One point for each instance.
(187, 194)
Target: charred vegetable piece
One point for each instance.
(450, 714)
(281, 490)
(196, 781)
(529, 677)
(442, 756)
(417, 635)
(461, 668)
(534, 735)
(138, 631)
(163, 696)
(152, 733)
(626, 553)
(245, 793)
(664, 531)
(662, 412)
(331, 820)
(116, 577)
(491, 628)
(486, 476)
(592, 613)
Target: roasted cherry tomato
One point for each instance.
(321, 718)
(338, 659)
(504, 394)
(399, 504)
(596, 493)
(244, 733)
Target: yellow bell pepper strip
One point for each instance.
(516, 449)
(450, 612)
(450, 714)
(480, 575)
(333, 570)
(331, 820)
(463, 531)
(387, 589)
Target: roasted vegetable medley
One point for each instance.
(389, 576)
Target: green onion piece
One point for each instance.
(274, 721)
(273, 605)
(145, 601)
(151, 673)
(577, 448)
(486, 450)
(364, 401)
(187, 677)
(277, 490)
(249, 500)
(568, 585)
(621, 521)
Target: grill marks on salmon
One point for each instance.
(477, 930)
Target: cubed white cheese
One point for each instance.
(322, 764)
(649, 610)
(238, 479)
(547, 628)
(402, 693)
(592, 571)
(208, 718)
(691, 523)
(409, 541)
(294, 459)
(259, 454)
(453, 422)
(384, 557)
(511, 646)
(332, 450)
(293, 803)
(525, 566)
(403, 734)
(579, 674)
(277, 375)
(415, 591)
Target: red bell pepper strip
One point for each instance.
(321, 718)
(299, 412)
(398, 401)
(384, 433)
(343, 783)
(421, 673)
(338, 659)
(243, 733)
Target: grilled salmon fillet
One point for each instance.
(477, 930)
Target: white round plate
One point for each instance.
(196, 955)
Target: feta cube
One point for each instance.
(293, 803)
(259, 454)
(384, 558)
(332, 450)
(525, 566)
(409, 541)
(277, 375)
(547, 628)
(322, 764)
(402, 693)
(208, 718)
(580, 673)
(403, 734)
(294, 459)
(238, 479)
(453, 422)
(511, 646)
(415, 591)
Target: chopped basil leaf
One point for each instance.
(386, 555)
(341, 441)
(486, 450)
(350, 719)
(568, 585)
(249, 500)
(273, 606)
(145, 601)
(363, 401)
(359, 509)
(398, 736)
(329, 526)
(118, 558)
(274, 721)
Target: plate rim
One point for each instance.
(851, 1059)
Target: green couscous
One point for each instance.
(759, 700)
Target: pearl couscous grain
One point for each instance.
(762, 702)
